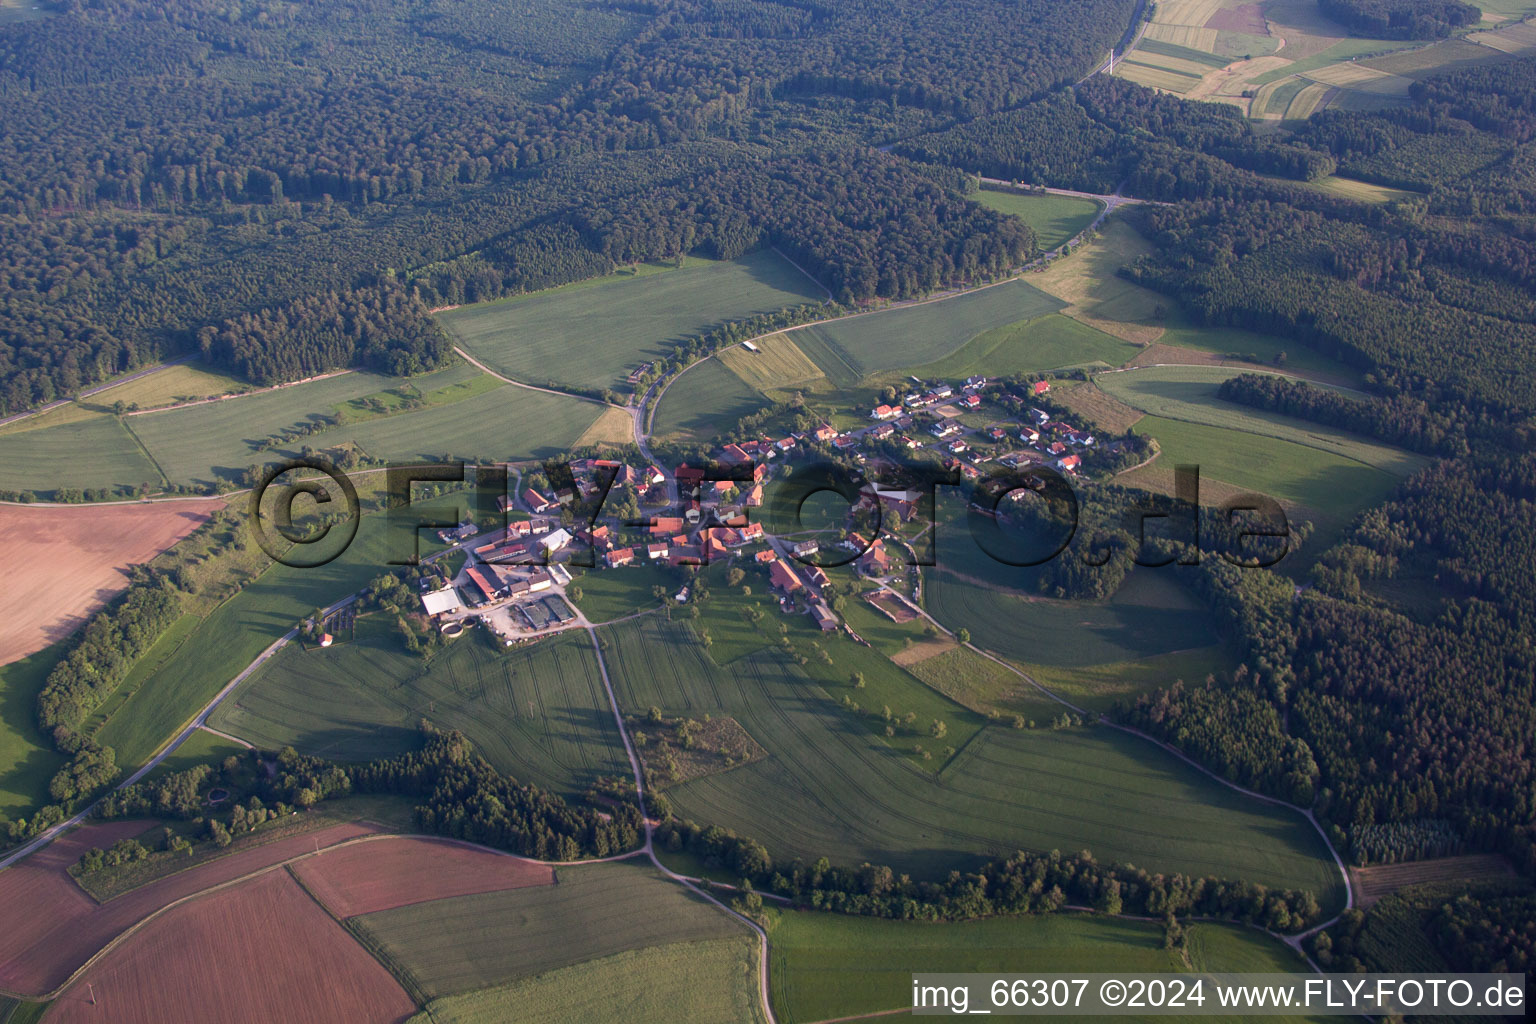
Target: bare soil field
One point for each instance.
(1373, 883)
(922, 651)
(396, 872)
(49, 927)
(68, 561)
(258, 952)
(895, 610)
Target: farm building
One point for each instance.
(782, 578)
(536, 502)
(441, 602)
(488, 586)
(750, 347)
(823, 616)
(555, 540)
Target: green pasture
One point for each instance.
(456, 945)
(236, 631)
(1053, 219)
(705, 400)
(1049, 342)
(182, 382)
(593, 336)
(96, 451)
(714, 980)
(1190, 393)
(1329, 487)
(202, 747)
(1150, 614)
(27, 758)
(826, 966)
(1256, 347)
(1100, 687)
(855, 347)
(834, 785)
(536, 712)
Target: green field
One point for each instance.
(851, 349)
(1100, 687)
(826, 966)
(536, 712)
(1150, 614)
(777, 363)
(1363, 191)
(1049, 342)
(593, 336)
(834, 785)
(703, 401)
(686, 981)
(458, 945)
(234, 633)
(1190, 393)
(202, 747)
(183, 382)
(218, 440)
(92, 452)
(610, 594)
(1053, 219)
(1328, 487)
(27, 760)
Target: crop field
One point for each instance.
(1156, 77)
(1049, 342)
(827, 966)
(1189, 393)
(237, 630)
(1053, 219)
(66, 563)
(27, 760)
(1149, 615)
(983, 685)
(1100, 687)
(834, 787)
(366, 878)
(218, 439)
(260, 952)
(93, 452)
(851, 349)
(778, 363)
(1093, 291)
(696, 981)
(183, 382)
(1330, 487)
(49, 926)
(202, 747)
(472, 942)
(507, 424)
(593, 336)
(703, 401)
(714, 980)
(537, 712)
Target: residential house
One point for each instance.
(970, 402)
(782, 577)
(536, 502)
(1069, 464)
(619, 556)
(884, 412)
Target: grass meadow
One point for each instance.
(1189, 393)
(202, 747)
(457, 945)
(235, 631)
(27, 758)
(836, 785)
(536, 712)
(594, 335)
(1049, 342)
(777, 363)
(713, 980)
(182, 382)
(96, 451)
(1053, 219)
(851, 349)
(827, 966)
(703, 401)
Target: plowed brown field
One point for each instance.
(63, 563)
(388, 873)
(49, 927)
(259, 952)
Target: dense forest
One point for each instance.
(1401, 19)
(164, 171)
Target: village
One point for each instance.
(515, 581)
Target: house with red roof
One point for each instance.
(619, 556)
(782, 578)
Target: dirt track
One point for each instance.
(65, 562)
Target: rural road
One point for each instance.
(98, 389)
